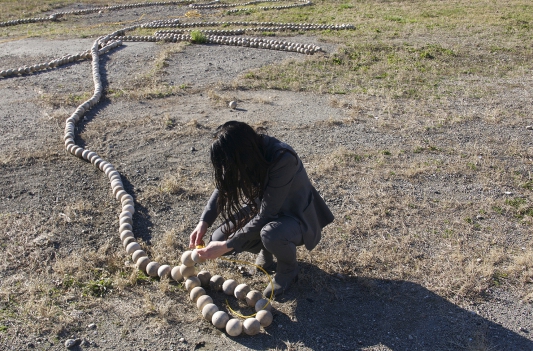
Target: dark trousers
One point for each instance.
(280, 237)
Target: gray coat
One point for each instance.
(288, 192)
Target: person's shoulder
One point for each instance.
(275, 149)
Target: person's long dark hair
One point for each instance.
(240, 169)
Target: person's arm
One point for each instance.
(280, 178)
(207, 219)
(211, 211)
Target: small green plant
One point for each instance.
(516, 202)
(141, 277)
(98, 287)
(498, 277)
(528, 185)
(386, 152)
(3, 328)
(497, 209)
(198, 37)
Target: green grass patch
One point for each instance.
(198, 37)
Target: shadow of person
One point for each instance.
(328, 313)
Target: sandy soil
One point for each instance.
(40, 181)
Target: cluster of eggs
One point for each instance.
(196, 285)
(304, 3)
(56, 15)
(217, 4)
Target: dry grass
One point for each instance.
(151, 84)
(393, 225)
(378, 59)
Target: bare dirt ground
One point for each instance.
(60, 226)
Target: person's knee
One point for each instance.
(281, 232)
(218, 235)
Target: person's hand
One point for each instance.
(198, 234)
(213, 250)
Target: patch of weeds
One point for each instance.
(198, 37)
(183, 86)
(345, 6)
(528, 185)
(471, 165)
(516, 202)
(498, 278)
(98, 288)
(59, 100)
(398, 19)
(347, 158)
(3, 328)
(69, 282)
(497, 209)
(448, 233)
(141, 277)
(169, 122)
(386, 152)
(115, 93)
(468, 220)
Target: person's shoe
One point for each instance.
(265, 260)
(282, 281)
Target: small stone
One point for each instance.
(138, 254)
(234, 327)
(142, 263)
(263, 304)
(529, 127)
(152, 268)
(132, 247)
(187, 272)
(204, 277)
(203, 300)
(192, 282)
(181, 339)
(252, 297)
(176, 274)
(186, 259)
(264, 317)
(229, 286)
(196, 258)
(163, 271)
(70, 343)
(251, 326)
(209, 310)
(232, 105)
(220, 319)
(241, 290)
(91, 326)
(215, 283)
(196, 292)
